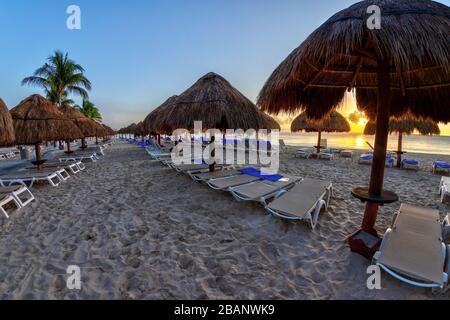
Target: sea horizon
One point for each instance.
(353, 140)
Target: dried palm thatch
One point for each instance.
(342, 54)
(154, 121)
(87, 126)
(334, 122)
(6, 126)
(406, 124)
(140, 129)
(37, 119)
(272, 124)
(213, 101)
(109, 131)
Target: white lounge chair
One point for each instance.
(303, 202)
(444, 188)
(347, 153)
(304, 153)
(412, 251)
(410, 164)
(21, 194)
(263, 190)
(79, 157)
(6, 199)
(326, 154)
(206, 176)
(229, 182)
(23, 177)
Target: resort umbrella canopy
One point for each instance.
(405, 124)
(334, 122)
(216, 103)
(6, 126)
(272, 124)
(154, 122)
(140, 129)
(87, 126)
(37, 120)
(403, 65)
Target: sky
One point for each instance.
(137, 53)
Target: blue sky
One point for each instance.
(139, 52)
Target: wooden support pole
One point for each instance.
(212, 167)
(399, 150)
(318, 141)
(37, 149)
(381, 138)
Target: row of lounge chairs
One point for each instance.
(285, 196)
(413, 249)
(15, 186)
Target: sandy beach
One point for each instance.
(138, 230)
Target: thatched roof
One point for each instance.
(37, 119)
(140, 129)
(406, 124)
(334, 122)
(154, 122)
(342, 54)
(215, 102)
(271, 122)
(6, 126)
(87, 126)
(130, 129)
(108, 130)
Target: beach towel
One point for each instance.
(257, 173)
(367, 157)
(442, 164)
(410, 162)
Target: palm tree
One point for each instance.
(59, 77)
(90, 110)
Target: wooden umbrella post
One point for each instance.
(37, 149)
(96, 139)
(68, 147)
(381, 139)
(212, 167)
(399, 149)
(318, 141)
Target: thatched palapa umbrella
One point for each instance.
(6, 126)
(216, 103)
(334, 122)
(37, 119)
(154, 122)
(405, 124)
(87, 126)
(402, 66)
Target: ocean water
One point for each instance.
(412, 143)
